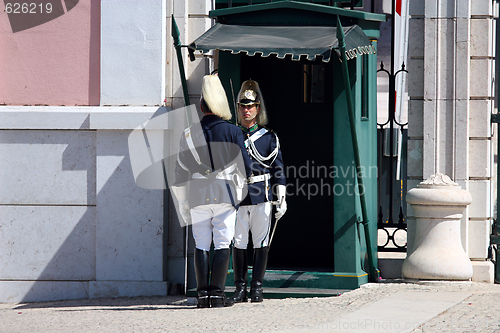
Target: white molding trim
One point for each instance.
(74, 117)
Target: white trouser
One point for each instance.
(216, 219)
(254, 218)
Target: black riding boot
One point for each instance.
(220, 265)
(259, 269)
(202, 270)
(240, 270)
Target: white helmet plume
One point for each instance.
(215, 97)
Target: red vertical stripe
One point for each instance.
(398, 7)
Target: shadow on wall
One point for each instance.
(74, 214)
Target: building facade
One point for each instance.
(452, 91)
(73, 224)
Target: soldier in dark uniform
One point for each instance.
(254, 213)
(208, 160)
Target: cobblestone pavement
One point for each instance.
(479, 312)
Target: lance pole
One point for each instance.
(178, 46)
(374, 272)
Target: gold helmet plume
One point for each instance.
(215, 97)
(250, 94)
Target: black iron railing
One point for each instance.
(391, 190)
(392, 185)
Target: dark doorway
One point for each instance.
(298, 97)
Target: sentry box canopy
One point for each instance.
(307, 42)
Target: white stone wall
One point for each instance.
(192, 21)
(451, 73)
(482, 85)
(132, 52)
(73, 222)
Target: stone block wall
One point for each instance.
(73, 222)
(452, 84)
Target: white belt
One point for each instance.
(259, 178)
(220, 175)
(225, 174)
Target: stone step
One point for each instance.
(292, 279)
(285, 284)
(282, 293)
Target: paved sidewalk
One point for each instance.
(389, 306)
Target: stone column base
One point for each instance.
(483, 271)
(438, 203)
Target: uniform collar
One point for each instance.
(251, 129)
(210, 118)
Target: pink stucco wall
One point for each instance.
(56, 63)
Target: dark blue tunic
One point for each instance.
(265, 145)
(218, 143)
